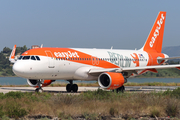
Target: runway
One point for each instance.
(84, 89)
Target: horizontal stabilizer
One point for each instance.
(170, 58)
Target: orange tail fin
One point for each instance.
(12, 56)
(155, 38)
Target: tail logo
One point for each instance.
(156, 32)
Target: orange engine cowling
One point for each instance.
(111, 80)
(34, 83)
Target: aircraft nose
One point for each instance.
(18, 69)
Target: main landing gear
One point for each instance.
(120, 89)
(39, 89)
(71, 87)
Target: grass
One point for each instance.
(91, 105)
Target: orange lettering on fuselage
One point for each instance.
(136, 59)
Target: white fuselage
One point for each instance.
(55, 68)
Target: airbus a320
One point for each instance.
(110, 67)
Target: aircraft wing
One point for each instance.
(101, 70)
(152, 67)
(96, 71)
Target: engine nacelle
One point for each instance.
(34, 83)
(111, 80)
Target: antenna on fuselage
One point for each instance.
(41, 45)
(111, 47)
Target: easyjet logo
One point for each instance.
(156, 32)
(66, 54)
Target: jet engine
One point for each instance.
(111, 80)
(34, 83)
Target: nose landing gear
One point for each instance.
(71, 87)
(39, 89)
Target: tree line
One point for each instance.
(5, 65)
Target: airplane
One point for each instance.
(110, 67)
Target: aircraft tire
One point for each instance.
(120, 89)
(68, 87)
(74, 87)
(39, 90)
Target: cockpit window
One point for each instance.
(20, 57)
(29, 57)
(26, 57)
(33, 58)
(37, 58)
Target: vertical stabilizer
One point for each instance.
(155, 38)
(12, 56)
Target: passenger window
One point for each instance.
(33, 58)
(37, 58)
(26, 57)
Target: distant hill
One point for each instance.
(172, 51)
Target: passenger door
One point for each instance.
(51, 59)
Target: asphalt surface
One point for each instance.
(83, 89)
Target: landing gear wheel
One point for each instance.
(68, 87)
(74, 87)
(71, 87)
(120, 89)
(39, 90)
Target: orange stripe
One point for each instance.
(71, 53)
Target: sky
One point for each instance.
(123, 24)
